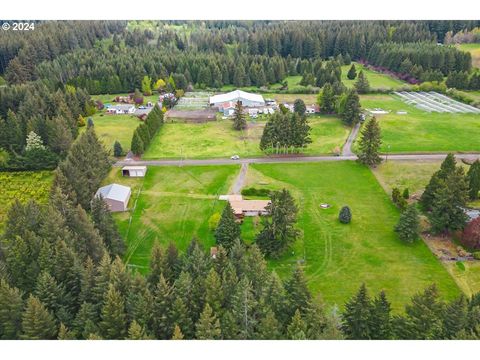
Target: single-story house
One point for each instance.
(116, 196)
(121, 109)
(243, 208)
(245, 98)
(134, 171)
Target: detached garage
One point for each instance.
(134, 171)
(116, 196)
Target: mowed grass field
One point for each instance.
(338, 258)
(171, 204)
(175, 204)
(23, 186)
(376, 79)
(473, 49)
(110, 128)
(219, 139)
(419, 131)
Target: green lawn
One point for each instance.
(174, 205)
(218, 139)
(419, 131)
(23, 186)
(377, 80)
(309, 99)
(340, 257)
(473, 49)
(110, 128)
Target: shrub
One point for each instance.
(345, 215)
(81, 121)
(213, 221)
(471, 235)
(476, 255)
(398, 199)
(117, 149)
(460, 265)
(255, 192)
(406, 194)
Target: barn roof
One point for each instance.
(239, 206)
(114, 192)
(131, 167)
(235, 96)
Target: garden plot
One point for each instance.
(193, 101)
(435, 102)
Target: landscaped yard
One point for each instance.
(176, 202)
(174, 205)
(23, 186)
(218, 139)
(419, 131)
(376, 79)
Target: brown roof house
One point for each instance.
(116, 196)
(242, 208)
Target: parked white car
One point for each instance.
(235, 157)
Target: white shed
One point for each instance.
(134, 171)
(116, 196)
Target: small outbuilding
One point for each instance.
(116, 196)
(134, 171)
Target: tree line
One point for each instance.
(144, 133)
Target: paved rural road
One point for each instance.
(289, 159)
(347, 148)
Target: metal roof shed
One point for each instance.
(134, 171)
(116, 196)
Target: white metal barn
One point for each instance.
(247, 99)
(134, 171)
(116, 196)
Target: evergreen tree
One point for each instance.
(355, 319)
(351, 109)
(269, 327)
(177, 333)
(136, 332)
(473, 175)
(327, 100)
(162, 306)
(239, 117)
(455, 318)
(279, 230)
(228, 229)
(398, 199)
(297, 330)
(369, 144)
(299, 107)
(106, 226)
(449, 202)
(298, 295)
(345, 215)
(11, 309)
(113, 323)
(208, 326)
(117, 149)
(352, 73)
(447, 167)
(362, 85)
(137, 146)
(424, 316)
(408, 226)
(37, 322)
(380, 319)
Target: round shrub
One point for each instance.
(345, 215)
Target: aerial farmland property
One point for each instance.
(219, 180)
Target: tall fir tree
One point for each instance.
(473, 175)
(208, 326)
(228, 230)
(37, 322)
(362, 85)
(355, 318)
(351, 108)
(239, 117)
(369, 144)
(113, 323)
(408, 226)
(352, 73)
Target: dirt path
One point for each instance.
(347, 148)
(240, 180)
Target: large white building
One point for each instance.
(247, 99)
